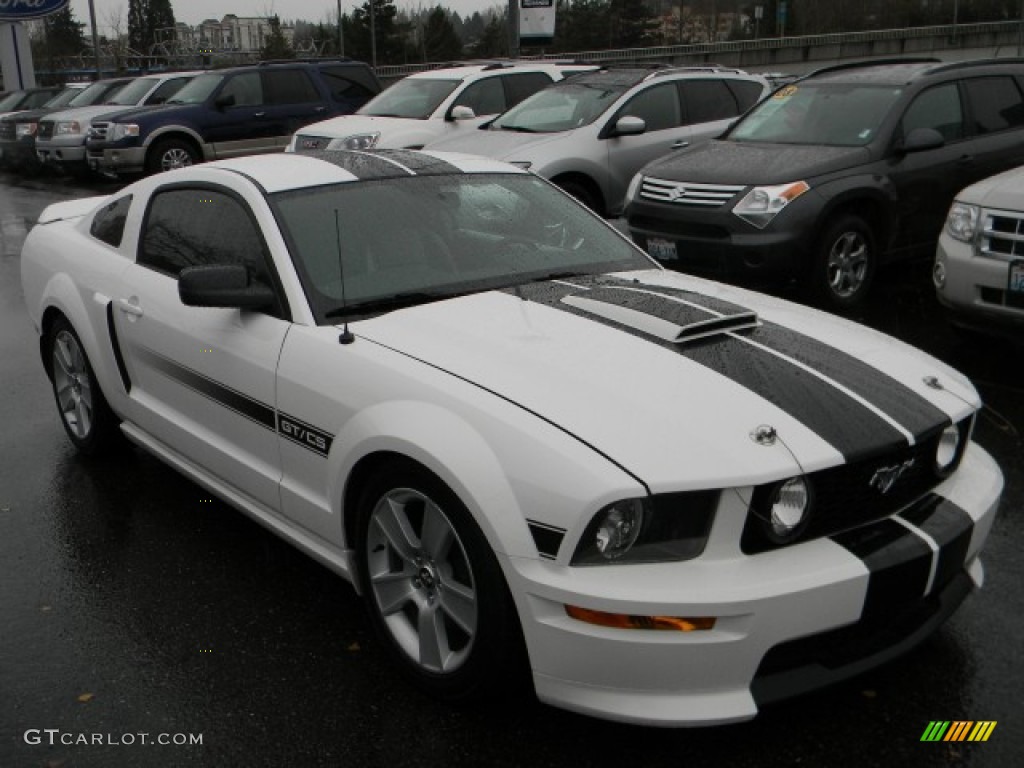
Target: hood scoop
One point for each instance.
(668, 318)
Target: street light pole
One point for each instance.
(95, 40)
(341, 34)
(373, 36)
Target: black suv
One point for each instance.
(833, 174)
(231, 112)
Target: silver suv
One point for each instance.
(592, 132)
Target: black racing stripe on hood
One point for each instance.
(420, 164)
(851, 428)
(365, 166)
(891, 396)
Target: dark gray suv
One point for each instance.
(834, 174)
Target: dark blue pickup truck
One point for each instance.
(231, 112)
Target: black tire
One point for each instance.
(581, 192)
(84, 412)
(168, 154)
(439, 575)
(844, 265)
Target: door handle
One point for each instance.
(259, 114)
(964, 159)
(130, 307)
(680, 144)
(320, 109)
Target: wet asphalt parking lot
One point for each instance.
(132, 603)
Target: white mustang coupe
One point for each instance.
(532, 450)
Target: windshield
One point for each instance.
(559, 108)
(10, 101)
(412, 97)
(198, 90)
(96, 93)
(826, 114)
(423, 238)
(134, 92)
(63, 98)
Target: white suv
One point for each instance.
(432, 105)
(592, 133)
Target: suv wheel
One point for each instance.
(580, 191)
(844, 265)
(169, 154)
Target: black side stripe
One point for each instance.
(290, 428)
(122, 370)
(546, 537)
(845, 423)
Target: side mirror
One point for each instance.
(462, 112)
(227, 100)
(921, 139)
(629, 125)
(222, 285)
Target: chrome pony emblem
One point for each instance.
(885, 477)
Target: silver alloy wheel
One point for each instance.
(72, 384)
(847, 266)
(175, 157)
(421, 580)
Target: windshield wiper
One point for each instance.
(517, 129)
(387, 303)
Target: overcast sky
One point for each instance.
(194, 11)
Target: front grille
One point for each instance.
(1002, 298)
(845, 497)
(1002, 235)
(45, 130)
(98, 131)
(686, 193)
(6, 130)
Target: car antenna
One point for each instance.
(347, 337)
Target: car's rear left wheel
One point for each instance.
(87, 418)
(434, 589)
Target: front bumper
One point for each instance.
(713, 242)
(780, 615)
(111, 158)
(61, 155)
(975, 288)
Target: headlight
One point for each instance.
(123, 131)
(67, 128)
(634, 187)
(762, 204)
(356, 141)
(662, 528)
(951, 446)
(789, 511)
(962, 221)
(21, 130)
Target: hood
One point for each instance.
(734, 162)
(1001, 191)
(500, 145)
(87, 114)
(132, 114)
(395, 132)
(659, 371)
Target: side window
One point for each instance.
(937, 108)
(108, 223)
(289, 86)
(707, 101)
(484, 97)
(165, 90)
(995, 103)
(518, 87)
(246, 88)
(658, 107)
(191, 227)
(746, 93)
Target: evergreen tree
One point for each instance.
(440, 41)
(494, 40)
(161, 17)
(138, 31)
(62, 37)
(276, 46)
(390, 37)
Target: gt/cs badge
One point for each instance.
(885, 477)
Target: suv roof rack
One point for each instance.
(873, 63)
(331, 60)
(711, 68)
(946, 67)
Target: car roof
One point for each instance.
(285, 171)
(464, 72)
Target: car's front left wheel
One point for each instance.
(85, 414)
(435, 591)
(845, 262)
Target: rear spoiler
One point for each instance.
(69, 209)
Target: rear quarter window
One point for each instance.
(519, 86)
(108, 223)
(707, 101)
(746, 93)
(289, 86)
(995, 103)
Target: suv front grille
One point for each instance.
(45, 130)
(7, 130)
(686, 193)
(1002, 235)
(98, 131)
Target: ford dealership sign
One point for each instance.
(20, 10)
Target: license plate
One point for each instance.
(662, 250)
(1016, 281)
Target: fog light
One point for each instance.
(939, 274)
(629, 621)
